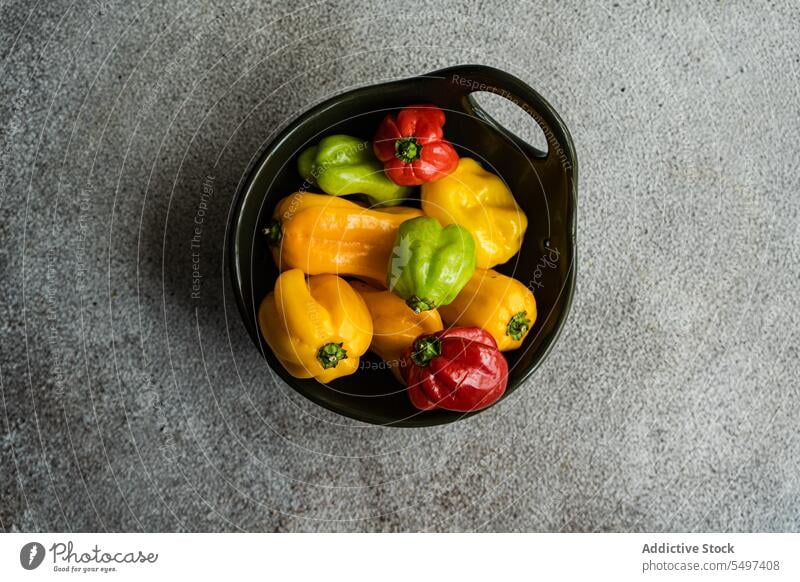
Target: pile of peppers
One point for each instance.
(404, 270)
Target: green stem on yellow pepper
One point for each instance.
(273, 231)
(518, 325)
(330, 354)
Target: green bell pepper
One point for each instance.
(342, 164)
(430, 264)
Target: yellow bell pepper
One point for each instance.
(395, 324)
(482, 203)
(321, 234)
(317, 328)
(501, 305)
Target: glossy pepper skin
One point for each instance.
(317, 328)
(501, 305)
(412, 146)
(342, 164)
(457, 369)
(394, 325)
(482, 203)
(324, 234)
(430, 264)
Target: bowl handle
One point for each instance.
(467, 79)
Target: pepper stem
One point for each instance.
(425, 349)
(419, 304)
(330, 354)
(518, 326)
(273, 231)
(407, 149)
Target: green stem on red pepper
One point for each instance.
(407, 149)
(425, 349)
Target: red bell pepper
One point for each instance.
(457, 369)
(411, 146)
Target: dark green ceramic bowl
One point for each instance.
(544, 183)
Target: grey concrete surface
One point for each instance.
(670, 402)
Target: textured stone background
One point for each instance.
(670, 403)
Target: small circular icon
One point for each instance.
(31, 555)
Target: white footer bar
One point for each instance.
(401, 557)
